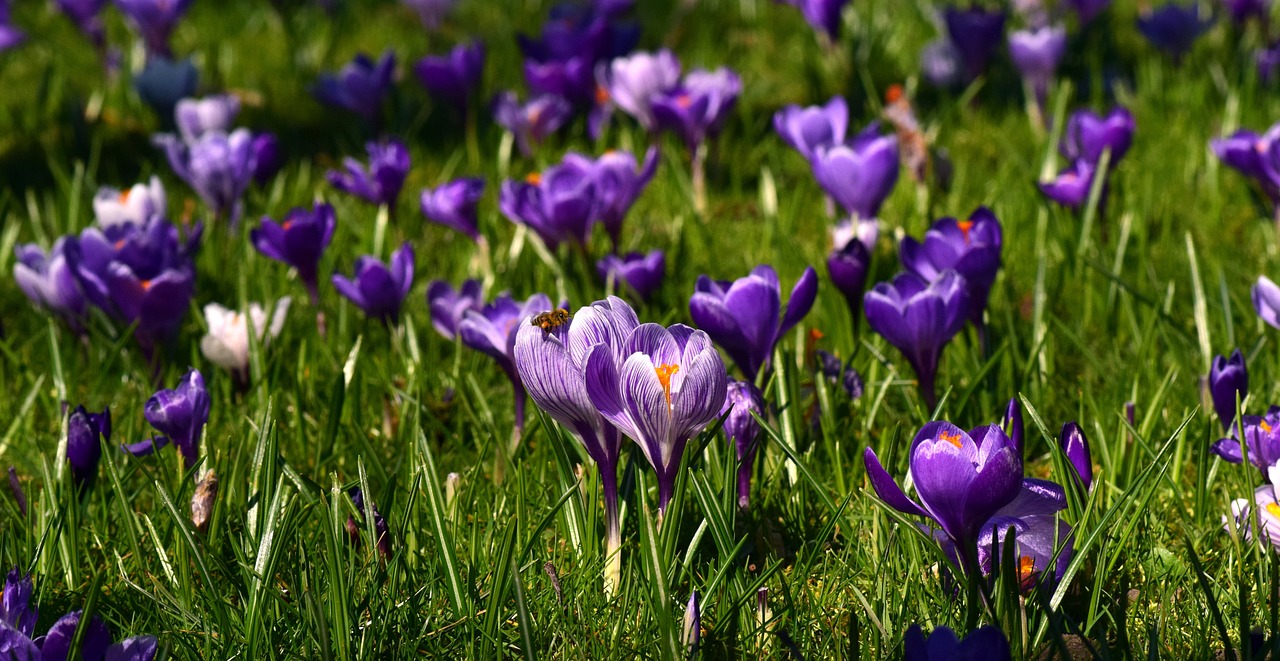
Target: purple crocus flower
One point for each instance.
(976, 34)
(1242, 10)
(299, 241)
(1072, 185)
(561, 204)
(84, 13)
(359, 86)
(492, 331)
(1263, 514)
(218, 166)
(449, 306)
(451, 78)
(1087, 10)
(180, 416)
(1228, 379)
(664, 387)
(861, 174)
(940, 63)
(17, 613)
(1036, 53)
(696, 109)
(112, 206)
(847, 266)
(1266, 300)
(430, 12)
(1261, 440)
(619, 182)
(154, 21)
(49, 281)
(919, 318)
(1255, 156)
(381, 182)
(267, 160)
(968, 247)
(196, 117)
(1173, 29)
(743, 316)
(811, 128)
(635, 80)
(572, 78)
(987, 643)
(641, 273)
(531, 122)
(1267, 60)
(377, 288)
(164, 82)
(366, 507)
(84, 449)
(822, 15)
(18, 623)
(962, 479)
(1088, 134)
(740, 428)
(1076, 448)
(454, 205)
(1032, 517)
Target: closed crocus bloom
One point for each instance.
(381, 182)
(1266, 300)
(492, 331)
(968, 247)
(1243, 10)
(822, 15)
(448, 306)
(179, 415)
(1228, 380)
(847, 268)
(1076, 448)
(961, 479)
(640, 273)
(49, 281)
(811, 128)
(267, 160)
(84, 449)
(1261, 439)
(697, 108)
(1038, 535)
(741, 400)
(987, 643)
(1255, 156)
(1088, 134)
(454, 205)
(299, 240)
(919, 318)
(359, 86)
(635, 80)
(217, 166)
(367, 508)
(619, 182)
(379, 289)
(196, 117)
(746, 317)
(1037, 53)
(976, 34)
(227, 342)
(1013, 425)
(664, 387)
(861, 174)
(1072, 185)
(530, 122)
(451, 78)
(164, 82)
(560, 205)
(154, 21)
(1267, 60)
(133, 205)
(1173, 28)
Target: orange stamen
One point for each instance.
(287, 224)
(118, 244)
(1026, 570)
(815, 334)
(665, 371)
(533, 179)
(684, 101)
(894, 93)
(146, 285)
(950, 437)
(602, 95)
(124, 195)
(1266, 427)
(965, 226)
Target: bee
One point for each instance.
(553, 319)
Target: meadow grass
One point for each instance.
(1083, 318)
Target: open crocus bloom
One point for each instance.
(227, 342)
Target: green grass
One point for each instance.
(1082, 319)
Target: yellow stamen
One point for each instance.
(665, 371)
(952, 438)
(1273, 509)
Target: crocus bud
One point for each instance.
(1227, 377)
(1013, 425)
(741, 400)
(19, 496)
(1266, 300)
(84, 447)
(367, 508)
(202, 501)
(1076, 447)
(692, 634)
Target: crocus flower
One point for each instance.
(267, 160)
(940, 63)
(19, 496)
(1087, 10)
(1038, 535)
(1261, 440)
(359, 86)
(430, 12)
(696, 109)
(1263, 512)
(49, 281)
(619, 182)
(743, 316)
(1076, 448)
(84, 449)
(381, 182)
(572, 78)
(561, 204)
(451, 78)
(664, 387)
(1228, 379)
(961, 479)
(641, 273)
(196, 117)
(492, 330)
(134, 205)
(533, 121)
(1242, 10)
(227, 342)
(1013, 426)
(1267, 60)
(861, 174)
(377, 288)
(822, 15)
(218, 166)
(740, 428)
(1036, 53)
(1266, 300)
(1255, 156)
(919, 318)
(299, 241)
(18, 623)
(968, 247)
(635, 80)
(179, 415)
(154, 21)
(164, 82)
(454, 205)
(975, 33)
(811, 128)
(1072, 185)
(986, 643)
(449, 306)
(17, 613)
(84, 13)
(847, 266)
(1088, 134)
(366, 508)
(1173, 29)
(691, 631)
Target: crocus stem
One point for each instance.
(744, 481)
(380, 229)
(613, 529)
(928, 390)
(699, 179)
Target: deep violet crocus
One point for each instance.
(561, 204)
(86, 432)
(822, 15)
(847, 267)
(138, 204)
(1087, 10)
(1088, 134)
(267, 159)
(18, 624)
(1256, 157)
(492, 331)
(811, 128)
(1076, 449)
(859, 175)
(696, 109)
(453, 205)
(1072, 185)
(448, 306)
(359, 86)
(154, 21)
(1261, 440)
(1173, 28)
(453, 77)
(431, 12)
(1228, 380)
(1038, 535)
(968, 247)
(1266, 300)
(380, 183)
(741, 429)
(635, 80)
(1036, 53)
(1242, 10)
(986, 643)
(976, 35)
(298, 240)
(379, 289)
(1267, 61)
(640, 273)
(366, 508)
(919, 318)
(665, 386)
(217, 165)
(49, 281)
(551, 360)
(531, 122)
(746, 317)
(619, 182)
(179, 415)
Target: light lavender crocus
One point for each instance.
(635, 80)
(859, 175)
(1266, 300)
(196, 117)
(218, 166)
(811, 128)
(1036, 52)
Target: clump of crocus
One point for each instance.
(969, 247)
(560, 205)
(359, 86)
(1266, 300)
(747, 318)
(1036, 53)
(822, 15)
(492, 330)
(448, 306)
(1173, 28)
(741, 400)
(986, 643)
(298, 240)
(18, 624)
(452, 78)
(179, 415)
(367, 508)
(217, 165)
(1228, 382)
(919, 318)
(1256, 157)
(137, 204)
(86, 432)
(530, 123)
(227, 342)
(380, 183)
(860, 173)
(640, 273)
(379, 289)
(1261, 436)
(154, 21)
(453, 205)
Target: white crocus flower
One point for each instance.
(227, 342)
(112, 206)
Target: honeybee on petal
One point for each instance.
(549, 320)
